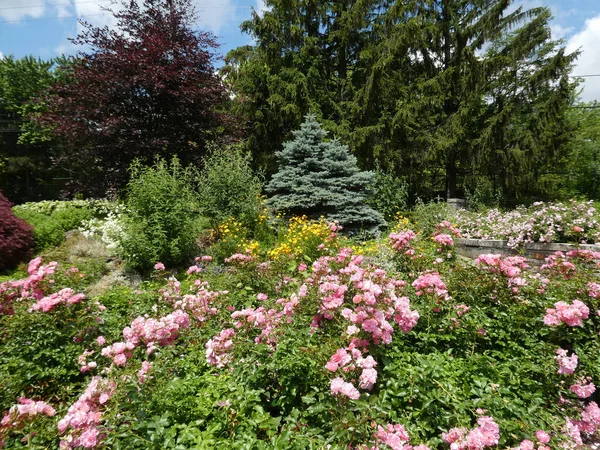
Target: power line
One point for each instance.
(53, 4)
(585, 76)
(52, 18)
(200, 8)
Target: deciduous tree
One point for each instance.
(147, 88)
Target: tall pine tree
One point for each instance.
(444, 92)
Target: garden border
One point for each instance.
(472, 248)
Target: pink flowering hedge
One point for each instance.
(409, 349)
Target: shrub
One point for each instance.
(541, 222)
(229, 188)
(163, 208)
(427, 216)
(391, 194)
(16, 239)
(321, 178)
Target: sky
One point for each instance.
(42, 27)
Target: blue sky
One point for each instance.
(41, 27)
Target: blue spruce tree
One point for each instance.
(319, 177)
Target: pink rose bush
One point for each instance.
(348, 344)
(431, 283)
(509, 267)
(566, 364)
(19, 415)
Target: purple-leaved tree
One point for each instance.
(145, 88)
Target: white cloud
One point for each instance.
(213, 15)
(1, 55)
(15, 10)
(260, 7)
(588, 62)
(560, 32)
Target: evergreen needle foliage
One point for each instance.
(321, 178)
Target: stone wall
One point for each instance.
(472, 248)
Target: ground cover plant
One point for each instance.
(51, 219)
(309, 341)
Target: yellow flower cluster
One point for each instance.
(303, 237)
(234, 233)
(367, 248)
(401, 224)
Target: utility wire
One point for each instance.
(53, 4)
(200, 8)
(105, 1)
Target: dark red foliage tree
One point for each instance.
(147, 88)
(16, 237)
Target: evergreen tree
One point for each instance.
(304, 60)
(443, 92)
(321, 178)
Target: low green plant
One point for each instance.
(161, 223)
(51, 223)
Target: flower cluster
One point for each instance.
(304, 237)
(584, 388)
(151, 332)
(349, 359)
(65, 296)
(593, 289)
(588, 424)
(339, 386)
(431, 283)
(110, 230)
(239, 259)
(401, 241)
(85, 415)
(486, 434)
(32, 287)
(18, 415)
(566, 364)
(511, 267)
(219, 347)
(573, 315)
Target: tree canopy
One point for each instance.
(27, 151)
(444, 92)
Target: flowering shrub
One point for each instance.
(110, 229)
(405, 351)
(541, 222)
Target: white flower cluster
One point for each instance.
(109, 230)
